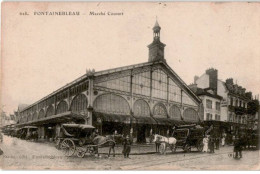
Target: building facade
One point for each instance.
(211, 102)
(138, 99)
(233, 105)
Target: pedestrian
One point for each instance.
(115, 133)
(157, 144)
(94, 135)
(205, 144)
(238, 147)
(211, 144)
(217, 143)
(126, 147)
(223, 141)
(151, 136)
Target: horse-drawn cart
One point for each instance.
(189, 136)
(185, 137)
(79, 138)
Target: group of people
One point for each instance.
(211, 143)
(127, 142)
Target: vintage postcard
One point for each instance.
(130, 85)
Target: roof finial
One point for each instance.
(156, 25)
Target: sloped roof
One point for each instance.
(201, 91)
(113, 70)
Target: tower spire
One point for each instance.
(156, 30)
(156, 48)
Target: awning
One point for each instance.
(59, 118)
(127, 119)
(81, 126)
(176, 122)
(163, 121)
(191, 121)
(145, 120)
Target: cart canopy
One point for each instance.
(80, 126)
(30, 127)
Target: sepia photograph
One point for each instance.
(130, 86)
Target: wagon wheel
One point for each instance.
(162, 148)
(68, 147)
(200, 145)
(187, 148)
(80, 152)
(173, 148)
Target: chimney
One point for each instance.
(249, 95)
(229, 81)
(195, 79)
(243, 91)
(240, 90)
(213, 78)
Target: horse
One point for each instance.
(102, 141)
(164, 142)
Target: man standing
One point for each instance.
(127, 147)
(217, 143)
(211, 144)
(238, 147)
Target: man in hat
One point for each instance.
(126, 146)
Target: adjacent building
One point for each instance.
(139, 99)
(230, 100)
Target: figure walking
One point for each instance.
(127, 147)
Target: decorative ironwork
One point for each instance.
(79, 103)
(141, 108)
(175, 112)
(159, 110)
(111, 103)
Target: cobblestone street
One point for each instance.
(21, 154)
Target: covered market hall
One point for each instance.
(140, 99)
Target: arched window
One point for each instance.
(141, 108)
(62, 107)
(160, 111)
(50, 111)
(175, 112)
(79, 103)
(41, 113)
(190, 114)
(111, 103)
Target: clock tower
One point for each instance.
(156, 48)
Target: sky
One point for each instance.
(42, 53)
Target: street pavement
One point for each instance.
(22, 154)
